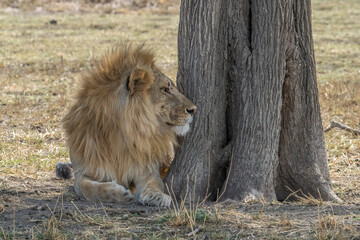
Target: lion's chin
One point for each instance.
(181, 130)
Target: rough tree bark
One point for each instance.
(249, 67)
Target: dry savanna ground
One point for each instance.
(44, 47)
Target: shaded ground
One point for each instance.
(53, 211)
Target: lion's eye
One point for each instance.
(166, 90)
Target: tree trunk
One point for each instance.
(249, 67)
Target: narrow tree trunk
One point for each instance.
(249, 67)
(302, 157)
(201, 53)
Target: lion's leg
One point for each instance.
(149, 189)
(102, 191)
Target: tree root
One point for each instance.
(334, 124)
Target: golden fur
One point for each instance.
(122, 127)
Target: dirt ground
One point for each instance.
(51, 210)
(44, 47)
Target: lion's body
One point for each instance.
(121, 128)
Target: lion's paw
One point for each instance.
(128, 196)
(156, 198)
(124, 195)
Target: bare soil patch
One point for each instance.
(52, 210)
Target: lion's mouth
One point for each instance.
(182, 128)
(181, 123)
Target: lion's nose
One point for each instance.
(191, 110)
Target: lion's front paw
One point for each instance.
(127, 196)
(156, 198)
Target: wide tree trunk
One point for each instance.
(249, 67)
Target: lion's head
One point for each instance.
(173, 109)
(126, 105)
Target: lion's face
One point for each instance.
(173, 109)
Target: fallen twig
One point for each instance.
(334, 124)
(194, 232)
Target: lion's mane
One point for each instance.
(110, 130)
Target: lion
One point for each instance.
(123, 127)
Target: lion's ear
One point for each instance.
(139, 81)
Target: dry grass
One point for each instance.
(39, 65)
(337, 52)
(91, 6)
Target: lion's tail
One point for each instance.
(64, 170)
